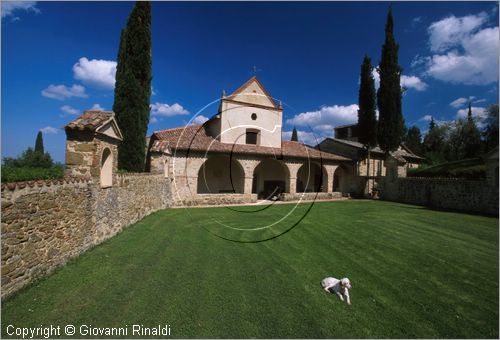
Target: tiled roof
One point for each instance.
(91, 119)
(160, 146)
(401, 152)
(194, 138)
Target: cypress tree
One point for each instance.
(471, 136)
(390, 122)
(367, 120)
(133, 87)
(39, 143)
(295, 137)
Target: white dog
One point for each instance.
(340, 287)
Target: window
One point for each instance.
(252, 136)
(254, 116)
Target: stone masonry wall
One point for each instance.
(454, 194)
(46, 223)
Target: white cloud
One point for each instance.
(153, 120)
(61, 92)
(413, 82)
(49, 130)
(99, 73)
(477, 112)
(8, 7)
(307, 137)
(162, 109)
(199, 120)
(410, 82)
(68, 110)
(426, 118)
(97, 107)
(326, 117)
(451, 31)
(466, 52)
(459, 102)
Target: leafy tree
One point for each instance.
(30, 159)
(133, 87)
(295, 137)
(390, 122)
(471, 136)
(413, 140)
(490, 132)
(434, 143)
(39, 143)
(367, 119)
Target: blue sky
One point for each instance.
(59, 58)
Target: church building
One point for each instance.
(239, 152)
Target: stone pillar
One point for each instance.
(330, 170)
(248, 185)
(293, 185)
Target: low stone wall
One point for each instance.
(215, 199)
(311, 196)
(46, 223)
(454, 194)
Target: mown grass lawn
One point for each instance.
(415, 273)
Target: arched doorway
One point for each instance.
(221, 175)
(106, 168)
(270, 178)
(311, 177)
(342, 180)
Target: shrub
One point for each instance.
(473, 168)
(16, 174)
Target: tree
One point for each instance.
(413, 140)
(367, 119)
(39, 143)
(471, 136)
(490, 132)
(133, 87)
(434, 142)
(29, 159)
(295, 137)
(390, 122)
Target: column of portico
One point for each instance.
(330, 170)
(249, 167)
(293, 168)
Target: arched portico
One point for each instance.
(311, 177)
(270, 177)
(343, 179)
(221, 174)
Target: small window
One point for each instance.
(254, 116)
(252, 136)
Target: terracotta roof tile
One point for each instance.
(91, 120)
(194, 138)
(160, 146)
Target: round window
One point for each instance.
(254, 116)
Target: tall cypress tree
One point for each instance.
(133, 87)
(295, 136)
(39, 143)
(471, 136)
(390, 122)
(367, 120)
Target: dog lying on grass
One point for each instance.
(340, 287)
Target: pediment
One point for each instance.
(253, 92)
(110, 129)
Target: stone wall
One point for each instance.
(311, 196)
(46, 223)
(454, 194)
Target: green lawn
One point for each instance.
(416, 273)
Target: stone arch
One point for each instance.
(106, 176)
(221, 175)
(311, 177)
(342, 179)
(270, 177)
